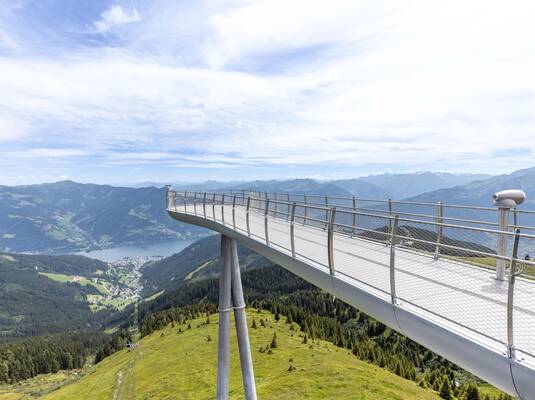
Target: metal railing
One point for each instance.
(447, 239)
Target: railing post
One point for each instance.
(223, 208)
(266, 212)
(204, 204)
(354, 223)
(501, 246)
(288, 202)
(390, 214)
(167, 197)
(247, 215)
(213, 205)
(306, 212)
(185, 201)
(292, 236)
(195, 203)
(276, 204)
(330, 240)
(440, 221)
(510, 298)
(326, 211)
(394, 233)
(234, 212)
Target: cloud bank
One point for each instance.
(250, 89)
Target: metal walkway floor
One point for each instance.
(463, 309)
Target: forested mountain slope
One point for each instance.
(197, 261)
(68, 216)
(49, 294)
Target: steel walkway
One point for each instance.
(448, 304)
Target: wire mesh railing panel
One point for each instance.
(310, 244)
(467, 296)
(278, 232)
(524, 316)
(366, 261)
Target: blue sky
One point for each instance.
(130, 91)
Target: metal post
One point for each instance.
(266, 211)
(306, 212)
(223, 208)
(510, 292)
(501, 246)
(195, 203)
(292, 236)
(440, 221)
(330, 240)
(204, 204)
(288, 203)
(234, 211)
(213, 205)
(393, 260)
(326, 211)
(185, 201)
(276, 204)
(167, 197)
(247, 215)
(223, 345)
(390, 214)
(354, 214)
(240, 316)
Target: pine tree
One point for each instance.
(471, 393)
(277, 317)
(445, 390)
(305, 339)
(273, 344)
(254, 324)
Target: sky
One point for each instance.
(168, 90)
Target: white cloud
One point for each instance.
(115, 16)
(255, 83)
(12, 128)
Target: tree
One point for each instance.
(445, 390)
(273, 344)
(471, 393)
(305, 339)
(254, 324)
(277, 317)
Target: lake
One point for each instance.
(164, 249)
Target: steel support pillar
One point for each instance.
(223, 344)
(242, 333)
(230, 286)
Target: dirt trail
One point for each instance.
(126, 381)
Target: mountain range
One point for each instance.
(67, 216)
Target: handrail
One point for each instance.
(440, 226)
(320, 205)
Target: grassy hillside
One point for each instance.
(180, 363)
